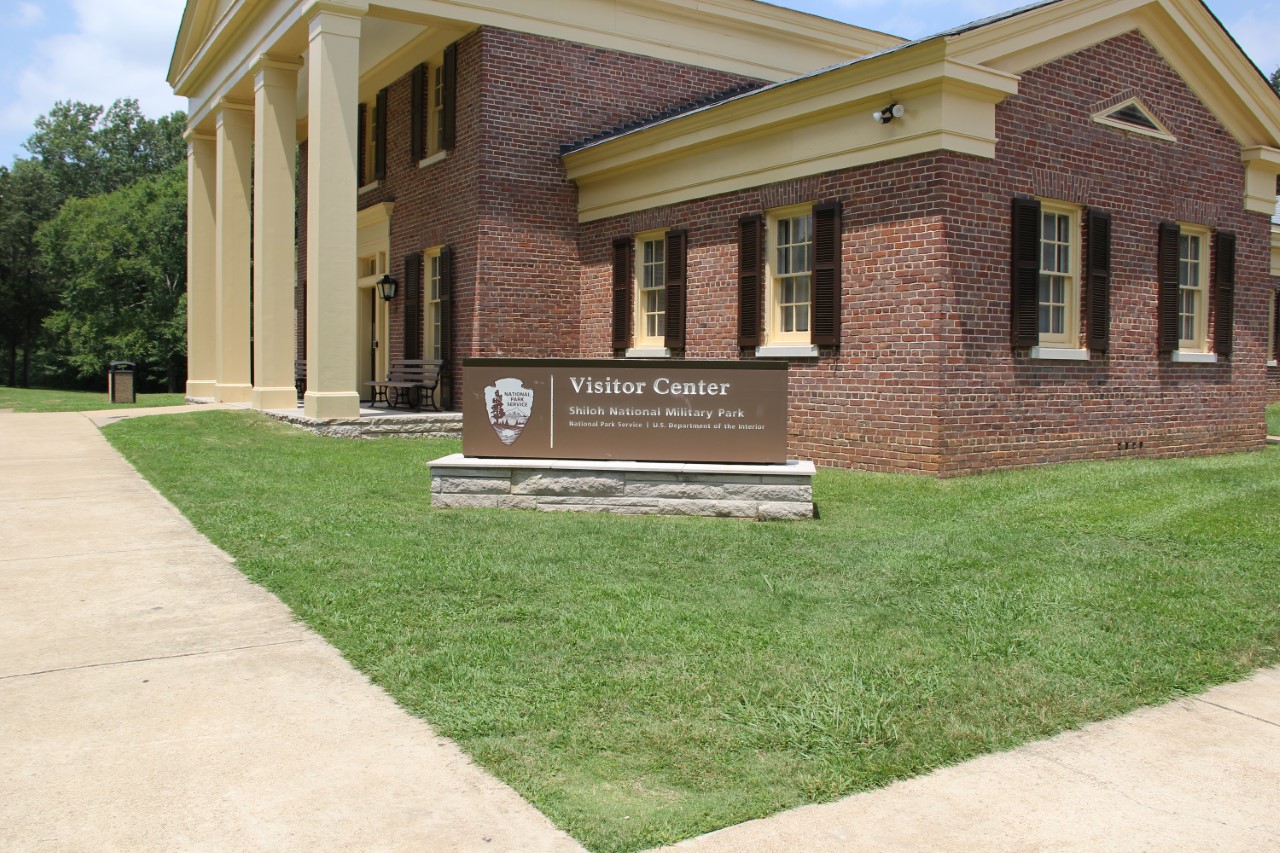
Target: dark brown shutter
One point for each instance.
(826, 274)
(1098, 279)
(750, 279)
(1224, 292)
(380, 136)
(1024, 305)
(446, 304)
(622, 293)
(362, 156)
(418, 113)
(413, 305)
(449, 117)
(677, 284)
(1167, 278)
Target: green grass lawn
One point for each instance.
(642, 680)
(1273, 419)
(49, 400)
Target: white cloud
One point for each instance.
(112, 50)
(29, 14)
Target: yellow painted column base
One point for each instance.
(274, 398)
(334, 404)
(202, 388)
(232, 393)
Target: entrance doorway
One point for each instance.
(372, 345)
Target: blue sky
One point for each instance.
(100, 50)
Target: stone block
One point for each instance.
(676, 490)
(784, 511)
(720, 509)
(587, 484)
(472, 485)
(770, 492)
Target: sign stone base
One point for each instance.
(764, 492)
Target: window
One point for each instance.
(651, 291)
(1196, 283)
(1134, 116)
(1058, 298)
(1193, 287)
(437, 108)
(790, 276)
(1050, 272)
(1273, 334)
(434, 107)
(372, 140)
(789, 280)
(432, 336)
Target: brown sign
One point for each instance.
(642, 410)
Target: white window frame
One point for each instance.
(775, 337)
(1199, 342)
(643, 274)
(1064, 344)
(432, 311)
(1271, 329)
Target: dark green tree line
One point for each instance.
(50, 273)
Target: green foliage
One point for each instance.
(79, 151)
(121, 260)
(1273, 419)
(1275, 80)
(642, 680)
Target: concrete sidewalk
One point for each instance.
(151, 698)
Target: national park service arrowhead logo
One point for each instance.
(509, 404)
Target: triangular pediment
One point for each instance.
(198, 18)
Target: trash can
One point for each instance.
(120, 382)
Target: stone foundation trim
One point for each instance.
(761, 492)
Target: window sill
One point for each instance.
(1059, 354)
(1273, 363)
(369, 187)
(648, 352)
(1186, 357)
(438, 157)
(791, 351)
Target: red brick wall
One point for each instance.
(925, 379)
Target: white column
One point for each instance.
(333, 69)
(202, 171)
(231, 228)
(275, 94)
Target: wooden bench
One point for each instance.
(410, 382)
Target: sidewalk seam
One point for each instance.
(157, 657)
(1234, 711)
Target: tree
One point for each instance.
(121, 258)
(88, 151)
(26, 295)
(79, 150)
(1275, 80)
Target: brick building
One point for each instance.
(1044, 236)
